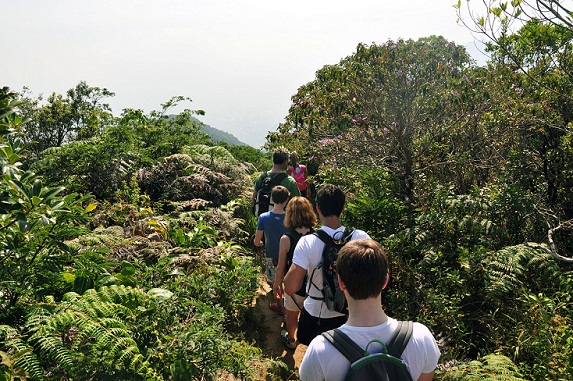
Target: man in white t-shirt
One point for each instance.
(362, 268)
(315, 317)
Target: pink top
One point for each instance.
(298, 174)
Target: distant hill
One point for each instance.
(221, 136)
(217, 135)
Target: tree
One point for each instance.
(384, 106)
(89, 114)
(161, 134)
(102, 164)
(525, 34)
(79, 115)
(33, 218)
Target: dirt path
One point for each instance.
(272, 345)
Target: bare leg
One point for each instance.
(292, 323)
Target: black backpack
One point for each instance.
(332, 295)
(263, 200)
(294, 236)
(364, 366)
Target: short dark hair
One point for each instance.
(279, 194)
(280, 155)
(362, 265)
(330, 199)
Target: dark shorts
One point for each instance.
(309, 326)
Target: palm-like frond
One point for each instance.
(83, 327)
(519, 267)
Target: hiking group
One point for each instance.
(329, 282)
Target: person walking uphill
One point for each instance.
(299, 172)
(362, 268)
(271, 224)
(300, 220)
(277, 172)
(315, 316)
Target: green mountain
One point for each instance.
(217, 135)
(221, 136)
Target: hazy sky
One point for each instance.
(239, 61)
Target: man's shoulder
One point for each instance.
(308, 240)
(260, 177)
(265, 215)
(277, 216)
(359, 234)
(274, 175)
(288, 178)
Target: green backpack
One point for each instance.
(364, 366)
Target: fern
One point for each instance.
(492, 367)
(519, 267)
(89, 327)
(208, 155)
(11, 341)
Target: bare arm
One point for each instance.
(284, 247)
(294, 278)
(258, 241)
(426, 377)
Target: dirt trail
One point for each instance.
(272, 345)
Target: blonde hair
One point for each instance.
(299, 213)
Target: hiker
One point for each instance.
(300, 174)
(315, 317)
(271, 225)
(300, 220)
(362, 268)
(280, 163)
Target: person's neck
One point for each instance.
(303, 230)
(332, 222)
(366, 312)
(277, 168)
(278, 209)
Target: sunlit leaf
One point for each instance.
(160, 294)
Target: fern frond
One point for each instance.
(519, 267)
(28, 360)
(51, 347)
(491, 367)
(91, 324)
(207, 154)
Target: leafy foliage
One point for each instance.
(96, 322)
(381, 107)
(490, 368)
(451, 166)
(33, 223)
(204, 173)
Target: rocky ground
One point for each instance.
(272, 345)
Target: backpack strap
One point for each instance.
(293, 237)
(353, 352)
(324, 237)
(328, 240)
(401, 337)
(344, 345)
(278, 179)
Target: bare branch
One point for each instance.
(552, 248)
